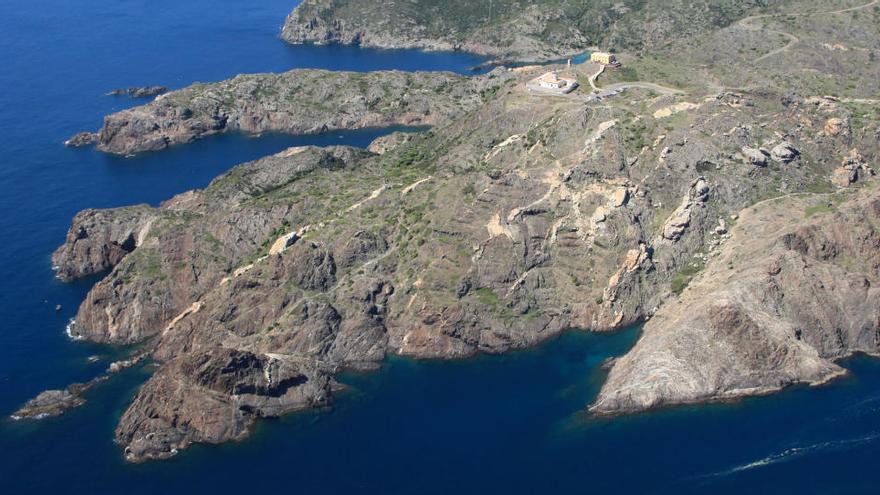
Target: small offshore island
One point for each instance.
(708, 187)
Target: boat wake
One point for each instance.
(797, 452)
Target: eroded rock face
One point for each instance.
(836, 126)
(777, 310)
(214, 396)
(165, 258)
(680, 220)
(852, 168)
(99, 239)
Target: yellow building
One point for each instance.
(603, 58)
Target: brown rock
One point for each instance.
(214, 396)
(835, 126)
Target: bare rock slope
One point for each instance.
(785, 300)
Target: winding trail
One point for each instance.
(792, 39)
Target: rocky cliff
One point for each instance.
(786, 298)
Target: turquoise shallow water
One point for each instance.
(510, 423)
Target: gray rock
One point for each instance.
(784, 153)
(754, 157)
(47, 404)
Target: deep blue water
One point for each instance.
(509, 423)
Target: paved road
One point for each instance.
(613, 89)
(596, 76)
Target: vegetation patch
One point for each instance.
(488, 297)
(687, 273)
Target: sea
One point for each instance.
(514, 423)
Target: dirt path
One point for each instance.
(644, 85)
(792, 39)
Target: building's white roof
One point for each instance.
(551, 78)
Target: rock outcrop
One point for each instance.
(214, 396)
(681, 217)
(754, 156)
(139, 92)
(47, 404)
(99, 239)
(82, 139)
(853, 167)
(784, 153)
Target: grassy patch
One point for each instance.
(488, 297)
(819, 209)
(687, 273)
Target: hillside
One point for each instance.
(513, 29)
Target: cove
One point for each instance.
(511, 423)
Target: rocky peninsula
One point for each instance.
(741, 224)
(295, 102)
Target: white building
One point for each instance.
(551, 80)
